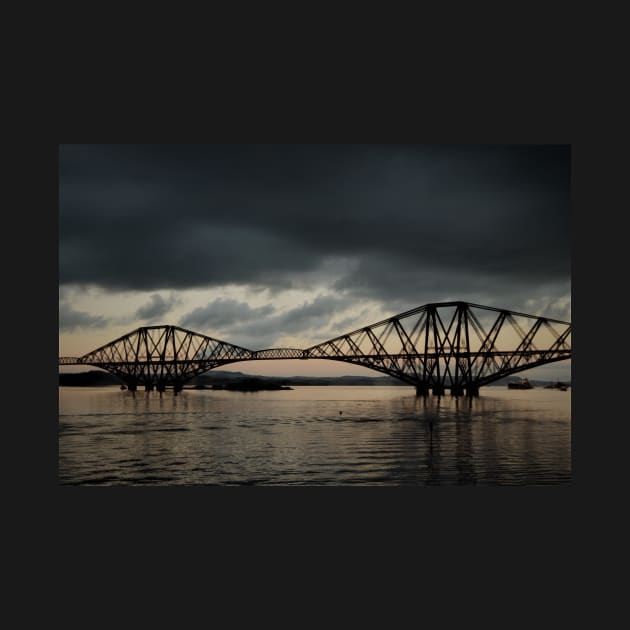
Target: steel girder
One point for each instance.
(157, 356)
(454, 345)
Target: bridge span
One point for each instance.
(450, 345)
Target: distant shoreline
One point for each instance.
(235, 381)
(238, 381)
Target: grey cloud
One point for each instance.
(402, 288)
(315, 314)
(70, 319)
(221, 313)
(156, 307)
(317, 320)
(258, 328)
(555, 306)
(348, 324)
(417, 220)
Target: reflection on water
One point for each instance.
(314, 435)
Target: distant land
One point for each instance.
(238, 381)
(229, 380)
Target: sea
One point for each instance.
(314, 435)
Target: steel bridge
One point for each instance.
(451, 345)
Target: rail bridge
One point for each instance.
(450, 345)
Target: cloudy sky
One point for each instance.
(290, 245)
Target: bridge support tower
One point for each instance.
(422, 389)
(472, 390)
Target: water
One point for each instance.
(314, 436)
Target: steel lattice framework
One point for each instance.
(451, 345)
(454, 345)
(157, 356)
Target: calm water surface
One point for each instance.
(314, 436)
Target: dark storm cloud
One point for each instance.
(402, 288)
(222, 313)
(446, 219)
(156, 307)
(257, 328)
(71, 320)
(315, 314)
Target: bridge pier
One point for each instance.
(457, 390)
(422, 390)
(160, 386)
(472, 390)
(438, 390)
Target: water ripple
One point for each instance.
(383, 437)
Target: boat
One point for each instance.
(557, 385)
(522, 383)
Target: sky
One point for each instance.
(291, 245)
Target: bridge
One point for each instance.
(451, 345)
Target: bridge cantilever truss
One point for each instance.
(157, 356)
(454, 345)
(451, 345)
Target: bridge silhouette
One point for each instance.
(451, 345)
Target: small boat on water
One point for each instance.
(558, 385)
(522, 383)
